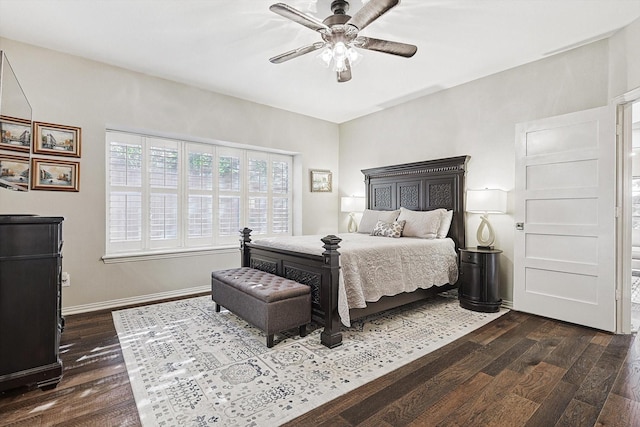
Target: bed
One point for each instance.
(420, 186)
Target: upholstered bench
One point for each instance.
(269, 302)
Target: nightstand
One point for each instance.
(478, 282)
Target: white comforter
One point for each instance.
(373, 266)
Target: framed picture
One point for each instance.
(15, 170)
(57, 140)
(55, 175)
(321, 181)
(15, 134)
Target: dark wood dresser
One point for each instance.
(30, 300)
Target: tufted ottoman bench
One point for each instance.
(269, 302)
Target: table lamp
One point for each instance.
(485, 202)
(352, 205)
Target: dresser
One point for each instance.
(30, 301)
(478, 282)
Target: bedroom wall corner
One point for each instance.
(478, 119)
(70, 90)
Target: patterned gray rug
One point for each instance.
(635, 289)
(191, 366)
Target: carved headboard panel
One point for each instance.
(421, 186)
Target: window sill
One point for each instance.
(170, 253)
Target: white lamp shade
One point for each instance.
(486, 201)
(352, 204)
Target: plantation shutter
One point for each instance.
(125, 198)
(164, 205)
(229, 194)
(200, 194)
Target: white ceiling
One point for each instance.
(224, 45)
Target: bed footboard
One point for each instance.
(320, 272)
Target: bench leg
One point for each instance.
(217, 307)
(269, 341)
(303, 330)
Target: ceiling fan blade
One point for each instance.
(296, 52)
(301, 18)
(371, 11)
(386, 46)
(345, 75)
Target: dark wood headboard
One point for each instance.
(421, 186)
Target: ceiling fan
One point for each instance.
(339, 33)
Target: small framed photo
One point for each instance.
(55, 175)
(321, 181)
(15, 134)
(15, 170)
(56, 140)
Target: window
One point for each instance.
(167, 195)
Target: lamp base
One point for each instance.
(353, 226)
(485, 241)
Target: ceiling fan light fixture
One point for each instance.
(338, 56)
(326, 55)
(353, 55)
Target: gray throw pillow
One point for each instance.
(388, 229)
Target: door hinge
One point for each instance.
(618, 212)
(618, 294)
(618, 129)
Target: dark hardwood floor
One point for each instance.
(519, 370)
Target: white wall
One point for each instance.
(72, 91)
(478, 119)
(624, 60)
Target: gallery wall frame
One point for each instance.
(15, 170)
(15, 134)
(55, 175)
(321, 181)
(56, 140)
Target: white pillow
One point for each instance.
(445, 223)
(370, 218)
(420, 224)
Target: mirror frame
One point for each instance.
(8, 80)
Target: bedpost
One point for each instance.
(331, 336)
(245, 238)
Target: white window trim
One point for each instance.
(173, 253)
(223, 245)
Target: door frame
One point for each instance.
(623, 196)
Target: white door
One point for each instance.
(564, 254)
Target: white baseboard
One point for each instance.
(507, 304)
(116, 303)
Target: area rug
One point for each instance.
(635, 289)
(191, 366)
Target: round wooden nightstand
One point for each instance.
(478, 282)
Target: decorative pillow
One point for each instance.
(445, 223)
(420, 224)
(371, 217)
(386, 229)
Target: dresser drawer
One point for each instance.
(471, 257)
(35, 238)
